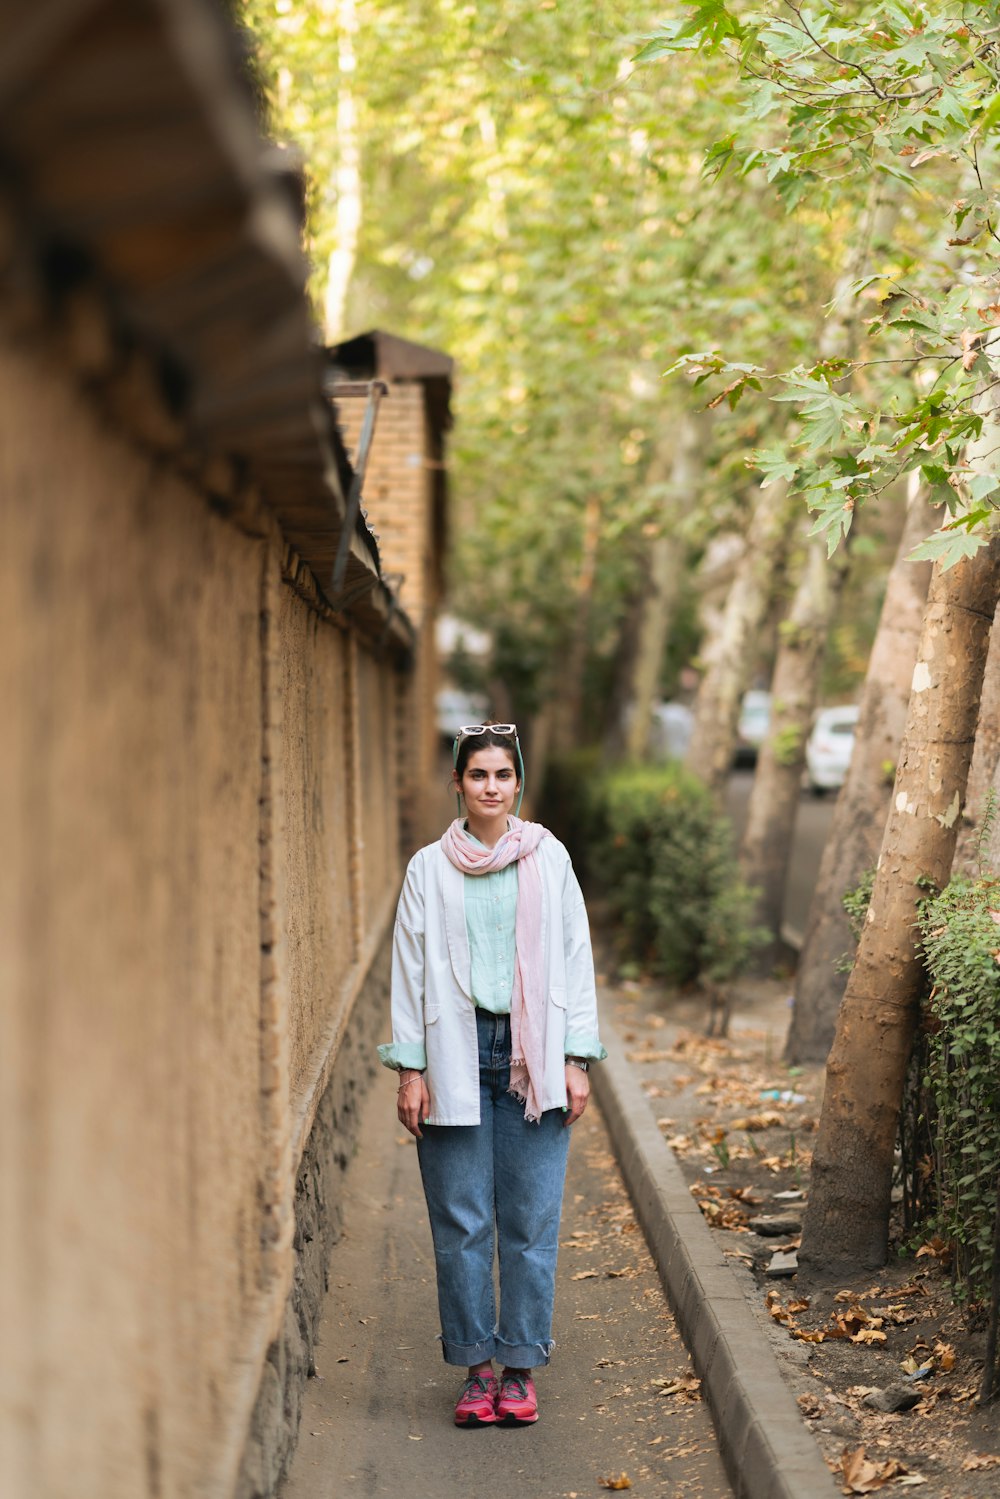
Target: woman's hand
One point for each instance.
(577, 1092)
(413, 1101)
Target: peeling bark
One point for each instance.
(774, 799)
(567, 730)
(347, 179)
(859, 818)
(729, 654)
(847, 1221)
(984, 773)
(678, 465)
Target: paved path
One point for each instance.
(378, 1421)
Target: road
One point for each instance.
(811, 828)
(378, 1420)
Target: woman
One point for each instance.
(494, 1023)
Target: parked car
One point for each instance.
(673, 724)
(751, 730)
(828, 748)
(453, 708)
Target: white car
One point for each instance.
(828, 748)
(673, 725)
(754, 722)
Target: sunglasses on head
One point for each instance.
(487, 728)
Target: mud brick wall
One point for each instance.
(199, 790)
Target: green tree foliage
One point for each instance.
(534, 204)
(834, 99)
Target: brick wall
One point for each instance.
(399, 496)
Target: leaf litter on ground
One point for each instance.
(711, 1084)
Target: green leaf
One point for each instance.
(949, 547)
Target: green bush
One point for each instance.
(571, 804)
(961, 942)
(663, 858)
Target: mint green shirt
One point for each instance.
(490, 911)
(490, 914)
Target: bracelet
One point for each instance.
(416, 1079)
(583, 1065)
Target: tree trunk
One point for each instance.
(347, 179)
(729, 655)
(859, 819)
(619, 699)
(774, 799)
(846, 1224)
(984, 772)
(567, 730)
(678, 464)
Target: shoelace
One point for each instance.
(514, 1379)
(476, 1385)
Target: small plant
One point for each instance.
(985, 833)
(720, 1149)
(855, 903)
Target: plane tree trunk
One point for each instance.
(846, 1224)
(774, 798)
(729, 654)
(678, 466)
(984, 776)
(855, 835)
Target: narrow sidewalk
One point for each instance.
(616, 1399)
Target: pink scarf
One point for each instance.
(527, 1005)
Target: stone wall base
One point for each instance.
(332, 1141)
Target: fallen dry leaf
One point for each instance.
(584, 1275)
(754, 1122)
(621, 1482)
(810, 1406)
(980, 1460)
(938, 1248)
(687, 1386)
(861, 1476)
(868, 1335)
(944, 1355)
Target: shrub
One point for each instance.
(571, 804)
(961, 942)
(664, 861)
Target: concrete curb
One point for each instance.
(767, 1451)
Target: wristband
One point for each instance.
(583, 1065)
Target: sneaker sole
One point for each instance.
(475, 1420)
(511, 1420)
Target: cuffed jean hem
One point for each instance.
(468, 1353)
(511, 1355)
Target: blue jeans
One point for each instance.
(497, 1181)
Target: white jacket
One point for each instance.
(433, 1015)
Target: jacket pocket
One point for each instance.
(557, 994)
(431, 1013)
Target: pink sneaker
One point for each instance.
(518, 1403)
(476, 1404)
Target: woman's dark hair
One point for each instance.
(489, 740)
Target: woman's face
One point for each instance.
(489, 784)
